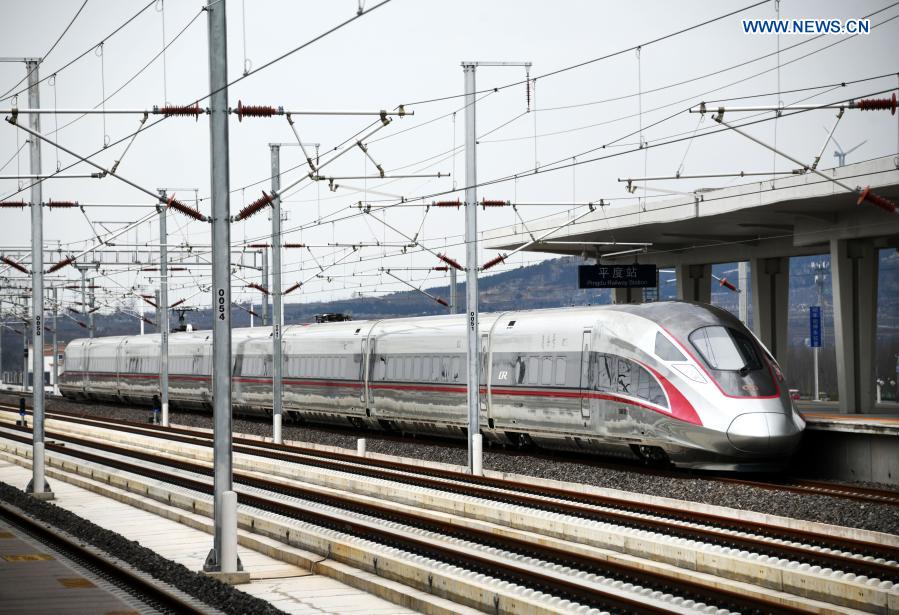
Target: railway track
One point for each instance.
(145, 589)
(805, 547)
(870, 562)
(574, 577)
(798, 485)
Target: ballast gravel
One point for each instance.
(691, 486)
(210, 591)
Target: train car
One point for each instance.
(675, 382)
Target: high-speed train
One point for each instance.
(670, 381)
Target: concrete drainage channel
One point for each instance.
(541, 528)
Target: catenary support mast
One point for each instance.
(163, 321)
(38, 483)
(471, 259)
(223, 557)
(277, 318)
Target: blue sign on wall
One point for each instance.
(814, 323)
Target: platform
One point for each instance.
(35, 579)
(853, 447)
(290, 588)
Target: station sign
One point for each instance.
(617, 276)
(814, 324)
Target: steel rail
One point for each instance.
(572, 503)
(567, 588)
(144, 588)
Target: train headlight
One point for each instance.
(690, 371)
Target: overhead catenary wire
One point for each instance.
(118, 29)
(49, 51)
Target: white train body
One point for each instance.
(679, 380)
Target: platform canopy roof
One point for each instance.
(792, 215)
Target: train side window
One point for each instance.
(626, 377)
(648, 387)
(533, 370)
(546, 374)
(407, 368)
(560, 370)
(642, 378)
(455, 369)
(519, 370)
(667, 351)
(606, 372)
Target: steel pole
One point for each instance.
(265, 285)
(84, 297)
(743, 298)
(91, 300)
(454, 306)
(38, 484)
(471, 262)
(55, 341)
(163, 321)
(815, 365)
(277, 317)
(221, 285)
(25, 348)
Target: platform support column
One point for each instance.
(277, 317)
(694, 283)
(854, 271)
(627, 295)
(743, 285)
(221, 284)
(471, 261)
(771, 304)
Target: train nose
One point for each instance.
(764, 432)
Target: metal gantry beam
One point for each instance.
(277, 316)
(223, 556)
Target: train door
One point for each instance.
(375, 371)
(363, 395)
(585, 373)
(484, 376)
(119, 362)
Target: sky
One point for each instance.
(409, 53)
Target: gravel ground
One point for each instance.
(686, 486)
(212, 592)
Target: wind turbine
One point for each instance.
(839, 153)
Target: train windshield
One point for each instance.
(734, 360)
